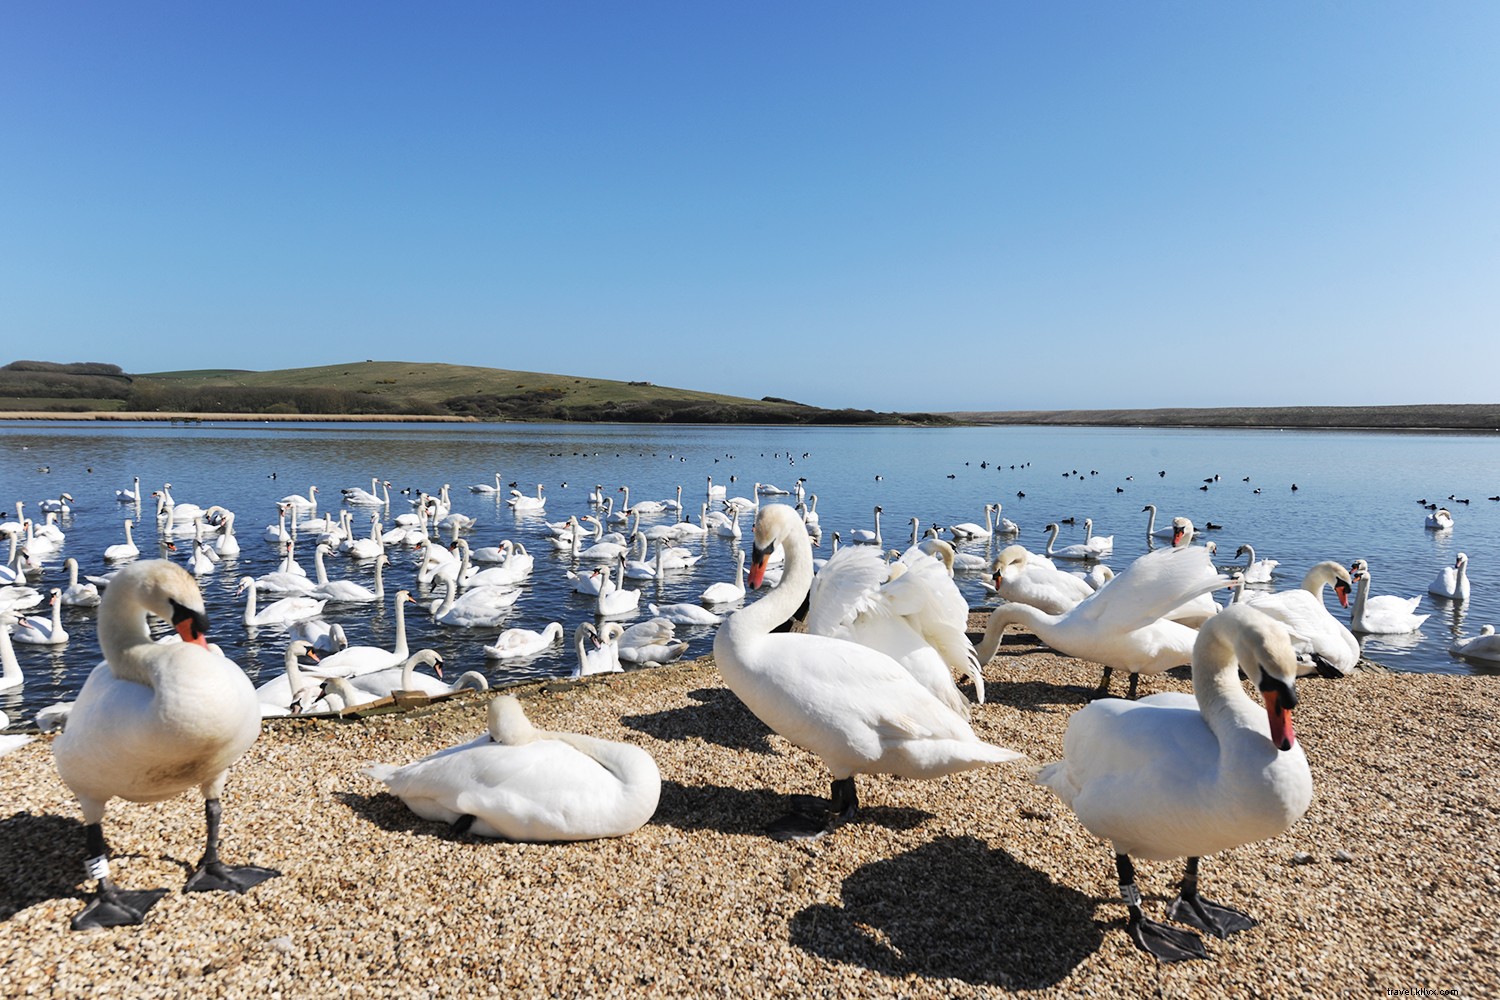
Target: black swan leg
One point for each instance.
(812, 817)
(1195, 911)
(1168, 944)
(111, 907)
(214, 875)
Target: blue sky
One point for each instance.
(938, 206)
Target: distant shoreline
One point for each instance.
(1469, 417)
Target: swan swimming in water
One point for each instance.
(1176, 775)
(1452, 582)
(1383, 615)
(1484, 647)
(855, 707)
(523, 783)
(152, 721)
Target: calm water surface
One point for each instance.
(1356, 497)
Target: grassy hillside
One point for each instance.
(402, 387)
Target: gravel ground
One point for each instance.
(974, 885)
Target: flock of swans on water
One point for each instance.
(866, 681)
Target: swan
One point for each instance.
(752, 502)
(339, 591)
(479, 607)
(1152, 531)
(617, 601)
(1255, 570)
(364, 659)
(1182, 532)
(1439, 520)
(281, 612)
(523, 783)
(123, 550)
(724, 592)
(866, 536)
(1121, 624)
(523, 504)
(730, 526)
(225, 544)
(296, 501)
(1174, 775)
(651, 643)
(487, 488)
(1020, 579)
(684, 614)
(75, 594)
(16, 597)
(512, 571)
(1484, 647)
(644, 507)
(604, 658)
(11, 741)
(59, 505)
(521, 643)
(277, 694)
(372, 547)
(596, 495)
(131, 495)
(359, 497)
(1303, 613)
(855, 707)
(1383, 615)
(910, 610)
(151, 721)
(41, 631)
(1073, 553)
(376, 684)
(338, 694)
(1453, 581)
(969, 531)
(203, 560)
(1103, 546)
(324, 638)
(11, 678)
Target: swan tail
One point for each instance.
(381, 772)
(1055, 776)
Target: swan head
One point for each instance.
(430, 657)
(1461, 561)
(1182, 532)
(1263, 650)
(1011, 555)
(774, 523)
(301, 647)
(165, 590)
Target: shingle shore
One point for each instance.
(974, 885)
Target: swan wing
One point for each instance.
(838, 590)
(1150, 587)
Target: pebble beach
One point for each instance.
(979, 884)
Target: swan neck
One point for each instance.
(785, 598)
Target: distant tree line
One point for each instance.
(45, 380)
(546, 405)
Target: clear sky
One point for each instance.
(909, 205)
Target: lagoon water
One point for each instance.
(1356, 497)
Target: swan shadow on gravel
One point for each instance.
(41, 854)
(748, 810)
(391, 814)
(954, 909)
(719, 718)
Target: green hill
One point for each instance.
(401, 388)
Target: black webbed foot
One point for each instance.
(215, 876)
(114, 908)
(1168, 944)
(1208, 916)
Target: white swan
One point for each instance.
(364, 659)
(1021, 579)
(1383, 615)
(487, 488)
(651, 643)
(75, 594)
(617, 601)
(42, 631)
(855, 707)
(151, 721)
(1452, 582)
(969, 531)
(523, 504)
(11, 741)
(512, 571)
(684, 614)
(324, 637)
(1303, 613)
(359, 497)
(403, 676)
(1073, 553)
(1103, 546)
(523, 783)
(11, 677)
(521, 643)
(225, 544)
(604, 658)
(1439, 520)
(339, 591)
(131, 495)
(297, 502)
(276, 696)
(1174, 775)
(1484, 647)
(123, 550)
(867, 536)
(281, 612)
(1152, 530)
(1121, 624)
(910, 610)
(724, 592)
(1255, 570)
(479, 607)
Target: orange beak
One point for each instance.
(1282, 733)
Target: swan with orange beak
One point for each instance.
(1176, 775)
